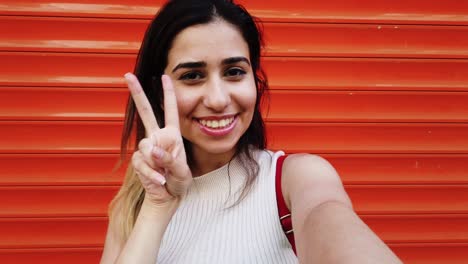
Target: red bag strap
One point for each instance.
(283, 211)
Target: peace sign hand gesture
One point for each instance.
(160, 161)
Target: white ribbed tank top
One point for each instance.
(204, 231)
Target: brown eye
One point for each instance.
(191, 76)
(234, 72)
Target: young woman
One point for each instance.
(201, 185)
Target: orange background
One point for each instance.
(380, 88)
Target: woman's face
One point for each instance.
(215, 88)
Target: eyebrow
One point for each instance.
(234, 60)
(189, 65)
(200, 64)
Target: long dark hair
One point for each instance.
(171, 19)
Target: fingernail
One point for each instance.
(160, 178)
(163, 182)
(158, 152)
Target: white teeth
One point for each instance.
(217, 123)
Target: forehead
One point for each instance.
(210, 42)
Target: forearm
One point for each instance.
(333, 233)
(143, 243)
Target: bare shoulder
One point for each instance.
(309, 180)
(304, 163)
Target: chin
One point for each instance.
(218, 148)
(215, 147)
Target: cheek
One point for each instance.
(250, 101)
(185, 103)
(248, 97)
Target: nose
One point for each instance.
(217, 96)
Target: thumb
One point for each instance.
(178, 176)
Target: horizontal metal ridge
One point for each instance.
(108, 104)
(335, 11)
(107, 70)
(90, 232)
(59, 34)
(354, 169)
(432, 253)
(104, 137)
(93, 201)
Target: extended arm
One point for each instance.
(326, 228)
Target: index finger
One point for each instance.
(142, 104)
(171, 113)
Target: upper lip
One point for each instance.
(215, 117)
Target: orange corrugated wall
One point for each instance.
(380, 88)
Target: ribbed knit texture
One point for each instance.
(205, 230)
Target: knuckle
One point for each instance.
(145, 171)
(169, 160)
(140, 144)
(144, 143)
(148, 172)
(137, 159)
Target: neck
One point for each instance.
(204, 163)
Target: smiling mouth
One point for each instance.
(217, 123)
